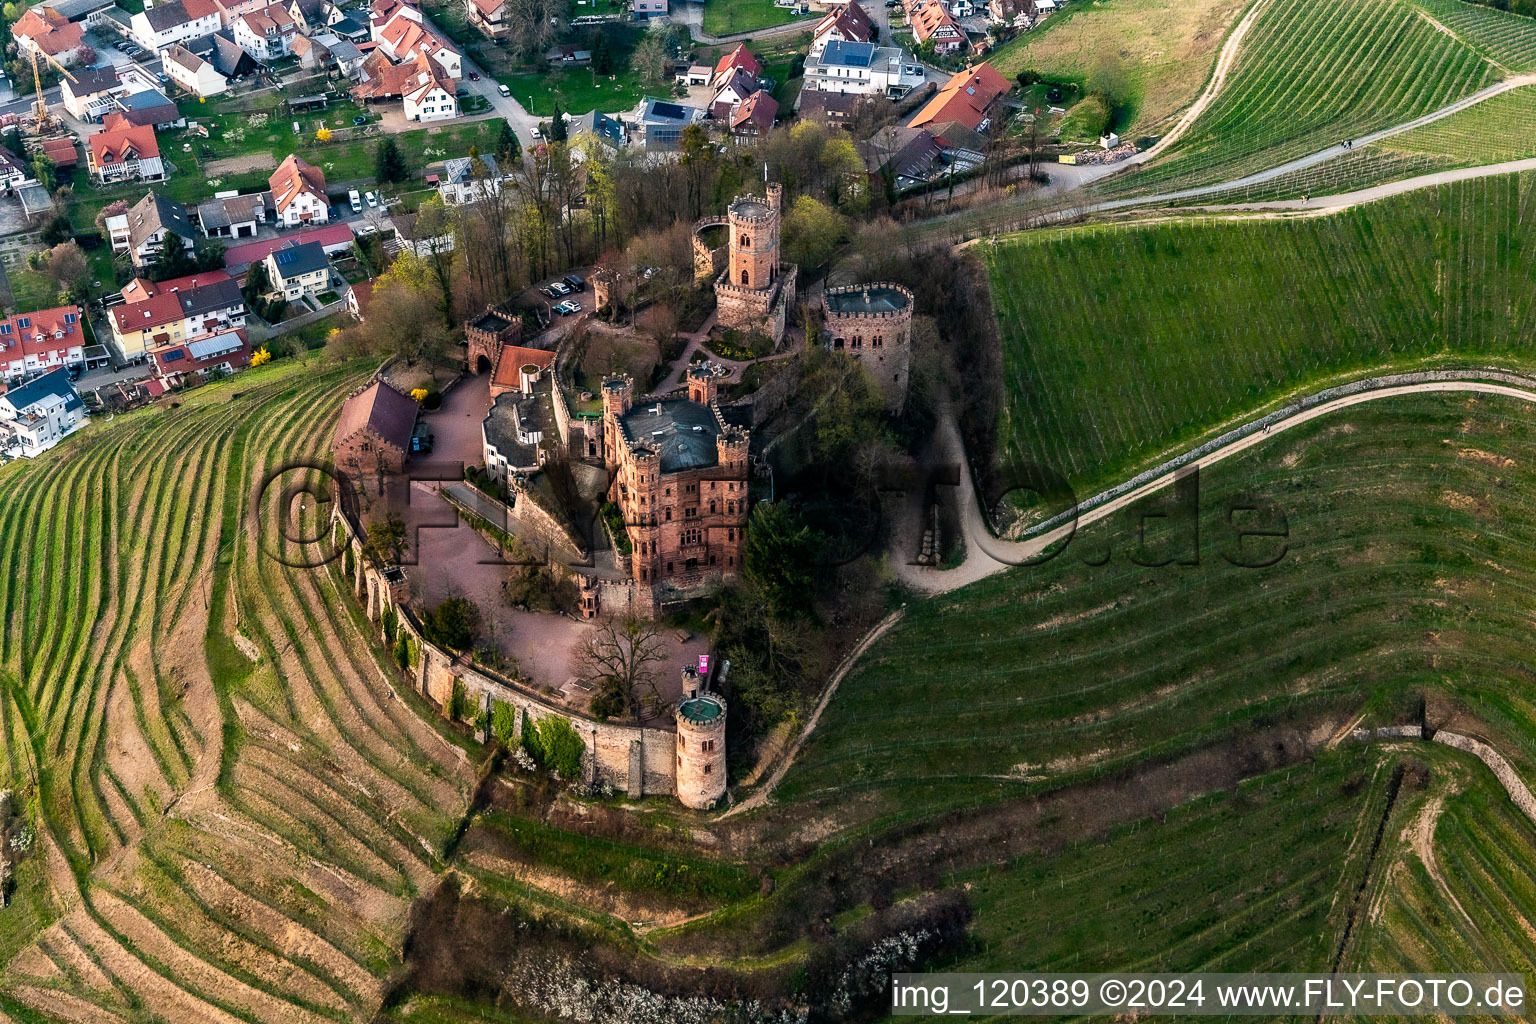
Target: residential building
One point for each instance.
(312, 53)
(346, 55)
(465, 182)
(489, 16)
(165, 24)
(834, 109)
(297, 270)
(89, 13)
(661, 122)
(425, 90)
(298, 193)
(62, 152)
(192, 73)
(519, 433)
(88, 94)
(266, 34)
(908, 155)
(359, 295)
(1013, 13)
(231, 11)
(145, 107)
(644, 10)
(234, 216)
(45, 340)
(183, 363)
(40, 413)
(863, 69)
(408, 235)
(374, 432)
(154, 315)
(680, 480)
(46, 31)
(333, 238)
(731, 90)
(128, 153)
(227, 56)
(753, 117)
(739, 58)
(845, 23)
(148, 226)
(931, 22)
(969, 98)
(14, 171)
(309, 15)
(404, 37)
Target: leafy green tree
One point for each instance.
(45, 171)
(389, 162)
(503, 722)
(57, 229)
(454, 623)
(554, 744)
(173, 260)
(780, 558)
(386, 540)
(813, 231)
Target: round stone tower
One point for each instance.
(700, 745)
(754, 224)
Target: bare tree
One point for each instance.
(621, 659)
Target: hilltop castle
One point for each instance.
(873, 323)
(754, 288)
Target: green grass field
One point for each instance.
(727, 17)
(1196, 323)
(577, 91)
(1311, 74)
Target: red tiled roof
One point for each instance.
(37, 337)
(758, 108)
(513, 358)
(62, 152)
(384, 80)
(932, 16)
(292, 177)
(125, 142)
(740, 57)
(250, 252)
(50, 31)
(964, 98)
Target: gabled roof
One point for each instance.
(273, 19)
(741, 83)
(829, 106)
(294, 177)
(40, 332)
(92, 81)
(127, 142)
(932, 17)
(460, 168)
(381, 410)
(237, 257)
(179, 54)
(964, 98)
(166, 16)
(740, 57)
(62, 151)
(155, 213)
(54, 384)
(221, 213)
(759, 108)
(849, 20)
(299, 259)
(383, 80)
(488, 8)
(909, 152)
(50, 31)
(165, 303)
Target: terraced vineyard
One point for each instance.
(220, 839)
(1311, 73)
(1509, 40)
(1187, 330)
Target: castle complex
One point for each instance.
(873, 323)
(700, 745)
(680, 480)
(754, 288)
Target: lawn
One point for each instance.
(728, 17)
(1123, 343)
(1311, 73)
(578, 91)
(1155, 54)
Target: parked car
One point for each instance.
(577, 283)
(356, 199)
(372, 198)
(568, 307)
(422, 444)
(534, 131)
(560, 288)
(474, 76)
(504, 90)
(549, 290)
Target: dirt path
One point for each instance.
(760, 798)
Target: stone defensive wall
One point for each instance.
(634, 759)
(709, 260)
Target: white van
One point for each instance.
(356, 200)
(504, 90)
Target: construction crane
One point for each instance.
(40, 113)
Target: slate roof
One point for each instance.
(297, 260)
(681, 432)
(94, 80)
(156, 212)
(54, 384)
(381, 410)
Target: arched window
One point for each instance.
(745, 277)
(744, 241)
(877, 342)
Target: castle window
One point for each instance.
(745, 279)
(682, 742)
(669, 567)
(711, 508)
(730, 534)
(669, 514)
(730, 559)
(878, 342)
(669, 492)
(711, 559)
(708, 768)
(744, 241)
(837, 342)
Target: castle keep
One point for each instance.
(873, 323)
(754, 290)
(680, 481)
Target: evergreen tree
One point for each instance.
(557, 128)
(602, 54)
(389, 162)
(509, 150)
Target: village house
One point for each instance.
(45, 31)
(465, 182)
(834, 109)
(373, 435)
(88, 94)
(266, 34)
(231, 11)
(143, 231)
(753, 117)
(845, 23)
(14, 171)
(177, 365)
(679, 475)
(333, 238)
(309, 15)
(1012, 13)
(227, 56)
(192, 73)
(297, 270)
(359, 294)
(403, 37)
(163, 25)
(489, 16)
(931, 22)
(738, 59)
(907, 155)
(298, 193)
(424, 89)
(40, 413)
(182, 309)
(661, 122)
(62, 152)
(234, 216)
(128, 153)
(863, 69)
(147, 107)
(734, 88)
(88, 14)
(45, 340)
(313, 55)
(969, 98)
